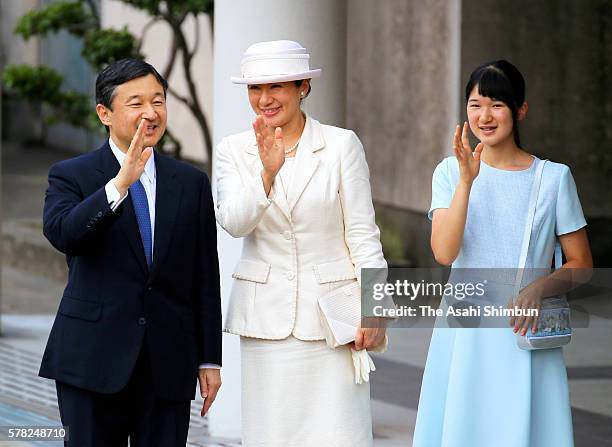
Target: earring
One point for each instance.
(302, 94)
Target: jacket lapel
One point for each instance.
(167, 200)
(280, 198)
(109, 167)
(307, 161)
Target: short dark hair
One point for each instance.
(502, 81)
(120, 72)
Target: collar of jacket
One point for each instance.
(312, 138)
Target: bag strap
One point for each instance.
(533, 200)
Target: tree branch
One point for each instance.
(180, 97)
(194, 103)
(211, 17)
(145, 29)
(170, 66)
(177, 144)
(94, 12)
(196, 43)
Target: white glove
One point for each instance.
(363, 364)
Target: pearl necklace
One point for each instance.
(292, 148)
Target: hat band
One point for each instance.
(274, 67)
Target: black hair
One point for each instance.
(299, 83)
(502, 81)
(120, 72)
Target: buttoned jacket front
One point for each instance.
(297, 246)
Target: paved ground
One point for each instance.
(395, 385)
(28, 400)
(29, 300)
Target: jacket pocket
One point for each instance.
(329, 272)
(85, 310)
(252, 271)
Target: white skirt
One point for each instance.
(302, 394)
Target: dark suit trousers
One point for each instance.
(107, 420)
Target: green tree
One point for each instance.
(42, 85)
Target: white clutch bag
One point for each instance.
(340, 314)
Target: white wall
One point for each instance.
(14, 49)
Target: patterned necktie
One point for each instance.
(141, 208)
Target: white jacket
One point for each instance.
(301, 247)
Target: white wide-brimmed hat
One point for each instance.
(275, 61)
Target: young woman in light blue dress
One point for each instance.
(479, 388)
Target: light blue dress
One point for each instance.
(479, 389)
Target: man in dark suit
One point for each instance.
(140, 318)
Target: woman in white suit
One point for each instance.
(298, 192)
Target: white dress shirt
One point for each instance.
(148, 180)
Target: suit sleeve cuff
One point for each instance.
(260, 193)
(113, 196)
(210, 365)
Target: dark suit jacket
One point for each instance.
(113, 305)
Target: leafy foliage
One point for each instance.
(68, 15)
(103, 46)
(191, 6)
(34, 83)
(173, 8)
(75, 108)
(43, 85)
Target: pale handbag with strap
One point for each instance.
(554, 326)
